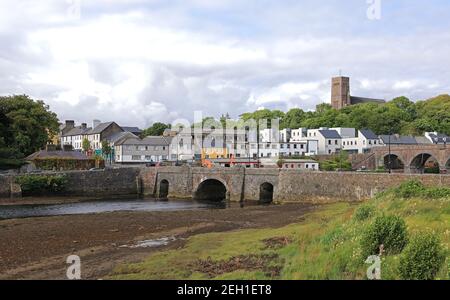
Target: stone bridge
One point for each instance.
(234, 184)
(412, 158)
(278, 185)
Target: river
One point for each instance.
(43, 210)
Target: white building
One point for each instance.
(361, 142)
(149, 149)
(300, 164)
(328, 141)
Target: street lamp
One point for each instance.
(389, 158)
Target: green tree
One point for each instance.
(157, 129)
(26, 125)
(106, 150)
(86, 145)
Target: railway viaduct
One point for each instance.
(412, 158)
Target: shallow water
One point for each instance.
(26, 211)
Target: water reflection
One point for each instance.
(25, 211)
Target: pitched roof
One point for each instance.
(404, 140)
(357, 100)
(77, 131)
(117, 137)
(100, 128)
(330, 134)
(132, 129)
(57, 154)
(148, 141)
(368, 134)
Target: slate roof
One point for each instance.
(100, 128)
(77, 131)
(57, 154)
(132, 129)
(330, 134)
(368, 134)
(357, 100)
(148, 141)
(404, 140)
(117, 137)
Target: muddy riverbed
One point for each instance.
(37, 247)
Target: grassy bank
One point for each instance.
(325, 245)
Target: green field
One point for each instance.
(325, 245)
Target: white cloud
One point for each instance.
(139, 61)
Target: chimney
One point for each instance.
(83, 125)
(70, 124)
(95, 123)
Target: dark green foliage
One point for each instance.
(414, 188)
(422, 258)
(399, 116)
(25, 125)
(156, 129)
(364, 212)
(409, 189)
(11, 163)
(338, 162)
(389, 231)
(32, 185)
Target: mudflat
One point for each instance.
(37, 248)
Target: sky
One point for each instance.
(137, 62)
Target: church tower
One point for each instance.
(340, 92)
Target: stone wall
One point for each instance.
(116, 182)
(5, 186)
(323, 186)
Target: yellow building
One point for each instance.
(214, 153)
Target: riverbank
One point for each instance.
(323, 244)
(37, 248)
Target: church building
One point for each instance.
(340, 94)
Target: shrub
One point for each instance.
(410, 189)
(364, 212)
(436, 193)
(40, 184)
(389, 231)
(422, 258)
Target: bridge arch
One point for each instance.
(396, 161)
(266, 192)
(212, 189)
(424, 163)
(163, 191)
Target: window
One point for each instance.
(336, 142)
(307, 166)
(329, 142)
(136, 157)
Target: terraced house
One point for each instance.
(136, 150)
